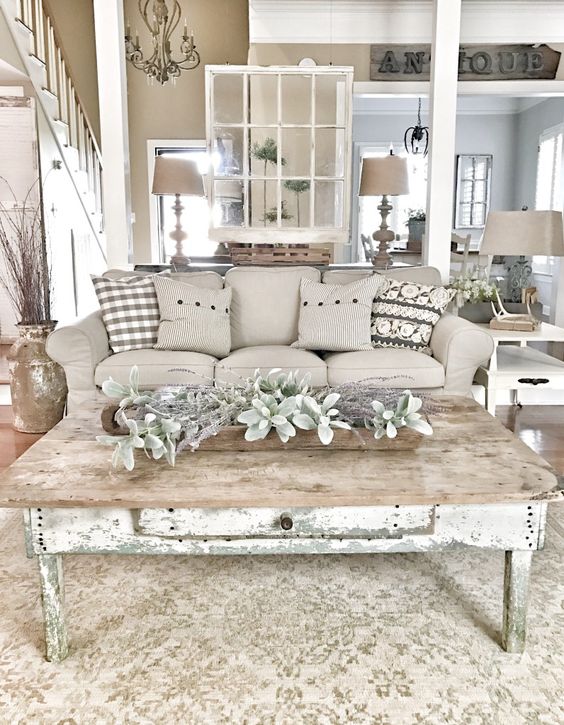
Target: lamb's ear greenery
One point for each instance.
(129, 394)
(387, 422)
(281, 402)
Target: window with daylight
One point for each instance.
(196, 215)
(368, 214)
(279, 140)
(549, 184)
(473, 191)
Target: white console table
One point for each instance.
(516, 366)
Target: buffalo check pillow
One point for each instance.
(404, 314)
(130, 311)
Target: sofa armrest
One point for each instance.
(461, 347)
(78, 348)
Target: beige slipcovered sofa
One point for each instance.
(264, 323)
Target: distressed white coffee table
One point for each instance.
(472, 484)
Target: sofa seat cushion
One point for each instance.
(157, 367)
(245, 361)
(416, 370)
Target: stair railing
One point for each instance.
(47, 51)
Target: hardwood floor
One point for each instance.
(12, 443)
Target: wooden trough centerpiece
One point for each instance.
(232, 438)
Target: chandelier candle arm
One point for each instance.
(161, 23)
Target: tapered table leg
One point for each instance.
(53, 600)
(515, 593)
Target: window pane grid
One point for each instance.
(288, 192)
(474, 173)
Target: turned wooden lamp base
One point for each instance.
(178, 235)
(382, 259)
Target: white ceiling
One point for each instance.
(402, 21)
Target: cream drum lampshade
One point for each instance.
(177, 176)
(530, 232)
(522, 234)
(384, 175)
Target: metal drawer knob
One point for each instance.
(286, 522)
(534, 381)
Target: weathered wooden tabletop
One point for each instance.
(471, 458)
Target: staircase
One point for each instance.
(42, 56)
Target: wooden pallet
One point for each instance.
(265, 254)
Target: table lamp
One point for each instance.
(179, 177)
(524, 233)
(384, 176)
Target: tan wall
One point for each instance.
(291, 54)
(177, 111)
(74, 23)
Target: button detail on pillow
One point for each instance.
(335, 317)
(193, 318)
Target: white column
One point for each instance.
(112, 91)
(442, 122)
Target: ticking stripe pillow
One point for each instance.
(405, 313)
(335, 317)
(193, 318)
(130, 311)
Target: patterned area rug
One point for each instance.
(385, 640)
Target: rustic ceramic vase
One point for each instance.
(37, 383)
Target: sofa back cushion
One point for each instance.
(208, 280)
(420, 275)
(265, 305)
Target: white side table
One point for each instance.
(518, 367)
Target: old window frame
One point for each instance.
(288, 234)
(460, 188)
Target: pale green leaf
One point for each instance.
(303, 421)
(325, 434)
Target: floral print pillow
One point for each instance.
(405, 313)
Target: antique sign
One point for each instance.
(475, 62)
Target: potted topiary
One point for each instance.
(37, 383)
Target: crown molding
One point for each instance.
(401, 21)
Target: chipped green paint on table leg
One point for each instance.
(515, 528)
(53, 600)
(515, 594)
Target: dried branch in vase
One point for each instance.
(25, 274)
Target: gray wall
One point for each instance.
(494, 134)
(530, 124)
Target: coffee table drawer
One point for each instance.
(337, 522)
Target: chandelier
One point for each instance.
(416, 138)
(161, 22)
